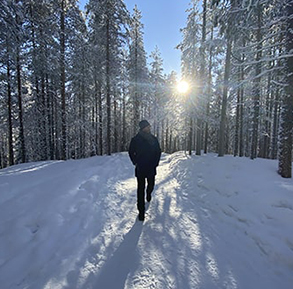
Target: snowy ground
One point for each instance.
(212, 223)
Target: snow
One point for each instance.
(212, 223)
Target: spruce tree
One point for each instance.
(138, 73)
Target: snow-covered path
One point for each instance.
(212, 223)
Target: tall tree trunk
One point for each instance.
(123, 141)
(163, 135)
(238, 148)
(79, 136)
(9, 105)
(267, 121)
(190, 134)
(241, 110)
(62, 66)
(83, 112)
(222, 133)
(97, 97)
(43, 119)
(20, 108)
(116, 133)
(108, 95)
(209, 92)
(50, 119)
(93, 148)
(167, 149)
(256, 90)
(236, 145)
(100, 122)
(286, 125)
(136, 100)
(201, 76)
(276, 109)
(56, 122)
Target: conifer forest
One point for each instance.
(74, 83)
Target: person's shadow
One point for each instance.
(124, 260)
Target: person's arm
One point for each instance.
(132, 152)
(158, 153)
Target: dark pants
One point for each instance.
(141, 190)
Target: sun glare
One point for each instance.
(182, 86)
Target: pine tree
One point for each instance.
(257, 82)
(108, 18)
(6, 85)
(157, 90)
(202, 78)
(138, 74)
(12, 41)
(82, 130)
(191, 69)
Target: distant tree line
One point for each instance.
(75, 84)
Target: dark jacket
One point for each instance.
(145, 152)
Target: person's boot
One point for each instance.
(141, 215)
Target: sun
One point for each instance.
(182, 86)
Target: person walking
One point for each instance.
(144, 152)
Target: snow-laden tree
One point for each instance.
(108, 21)
(157, 92)
(13, 38)
(174, 138)
(53, 29)
(43, 78)
(7, 25)
(191, 52)
(137, 66)
(81, 124)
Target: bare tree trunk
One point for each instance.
(190, 135)
(201, 76)
(266, 135)
(43, 119)
(209, 97)
(97, 97)
(62, 66)
(20, 108)
(256, 90)
(108, 93)
(116, 133)
(286, 125)
(241, 111)
(167, 149)
(276, 109)
(123, 141)
(100, 122)
(50, 119)
(9, 105)
(83, 112)
(163, 135)
(236, 145)
(222, 133)
(136, 100)
(57, 134)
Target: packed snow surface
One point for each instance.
(212, 223)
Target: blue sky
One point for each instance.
(162, 21)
